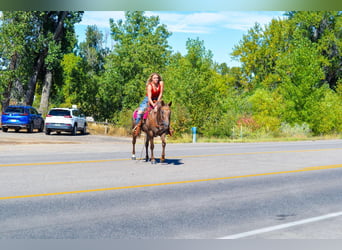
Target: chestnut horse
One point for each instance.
(156, 124)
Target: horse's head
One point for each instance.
(164, 115)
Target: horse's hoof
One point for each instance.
(133, 157)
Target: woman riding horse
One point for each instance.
(154, 93)
(157, 122)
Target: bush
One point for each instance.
(302, 130)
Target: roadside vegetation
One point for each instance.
(289, 85)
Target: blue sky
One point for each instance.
(220, 31)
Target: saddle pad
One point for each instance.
(135, 114)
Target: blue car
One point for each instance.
(21, 117)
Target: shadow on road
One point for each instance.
(170, 162)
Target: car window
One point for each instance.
(75, 112)
(33, 111)
(15, 110)
(59, 112)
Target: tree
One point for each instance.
(59, 38)
(293, 59)
(92, 50)
(324, 29)
(34, 43)
(201, 96)
(16, 33)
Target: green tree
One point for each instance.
(37, 40)
(295, 58)
(324, 29)
(301, 73)
(16, 32)
(201, 96)
(92, 50)
(58, 37)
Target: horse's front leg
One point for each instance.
(163, 138)
(153, 160)
(134, 139)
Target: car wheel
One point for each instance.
(30, 128)
(74, 130)
(41, 128)
(17, 130)
(5, 129)
(47, 131)
(84, 130)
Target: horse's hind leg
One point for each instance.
(146, 147)
(163, 138)
(134, 139)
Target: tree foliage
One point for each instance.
(34, 43)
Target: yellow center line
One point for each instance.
(176, 182)
(184, 156)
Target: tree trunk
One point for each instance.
(47, 84)
(33, 81)
(40, 62)
(44, 102)
(7, 93)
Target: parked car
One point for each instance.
(21, 117)
(65, 120)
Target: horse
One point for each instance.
(156, 124)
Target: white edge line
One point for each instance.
(278, 227)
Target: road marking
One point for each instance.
(179, 157)
(282, 226)
(176, 182)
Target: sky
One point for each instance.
(220, 31)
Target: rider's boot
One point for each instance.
(136, 130)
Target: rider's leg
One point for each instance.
(138, 121)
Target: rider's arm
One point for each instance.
(149, 95)
(161, 85)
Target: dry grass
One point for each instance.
(101, 129)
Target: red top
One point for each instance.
(155, 92)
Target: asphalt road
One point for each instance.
(86, 187)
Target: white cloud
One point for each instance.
(246, 20)
(191, 22)
(101, 18)
(207, 22)
(198, 22)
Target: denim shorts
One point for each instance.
(144, 104)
